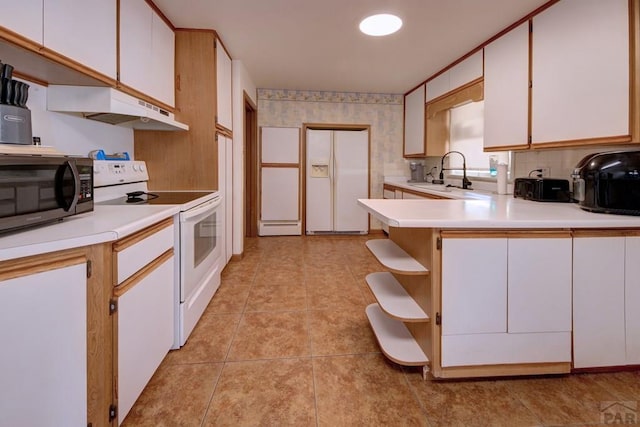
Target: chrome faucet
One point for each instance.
(466, 184)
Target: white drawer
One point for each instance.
(139, 249)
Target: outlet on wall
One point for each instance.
(544, 170)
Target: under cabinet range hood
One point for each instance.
(108, 105)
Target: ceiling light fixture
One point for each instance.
(382, 24)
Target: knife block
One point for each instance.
(15, 125)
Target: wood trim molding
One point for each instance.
(138, 276)
(131, 240)
(470, 92)
(585, 232)
(224, 131)
(618, 139)
(20, 267)
(161, 14)
(504, 370)
(507, 148)
(511, 234)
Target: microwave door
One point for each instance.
(67, 186)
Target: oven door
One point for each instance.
(200, 244)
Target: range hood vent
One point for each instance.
(111, 106)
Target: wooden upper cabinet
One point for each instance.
(506, 90)
(147, 51)
(84, 31)
(23, 17)
(580, 73)
(223, 80)
(414, 141)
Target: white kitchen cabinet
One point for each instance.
(605, 301)
(539, 285)
(580, 71)
(223, 80)
(84, 31)
(464, 72)
(43, 362)
(414, 142)
(23, 17)
(506, 89)
(632, 299)
(144, 278)
(147, 51)
(474, 285)
(506, 300)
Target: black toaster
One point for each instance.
(542, 189)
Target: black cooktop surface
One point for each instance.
(157, 198)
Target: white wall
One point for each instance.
(72, 134)
(242, 83)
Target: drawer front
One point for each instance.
(135, 256)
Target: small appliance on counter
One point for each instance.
(542, 189)
(15, 117)
(608, 182)
(417, 172)
(38, 189)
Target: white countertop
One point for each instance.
(487, 210)
(104, 224)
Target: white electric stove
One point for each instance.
(199, 237)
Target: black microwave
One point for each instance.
(39, 189)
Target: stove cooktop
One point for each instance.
(158, 198)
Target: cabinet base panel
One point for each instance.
(618, 368)
(502, 370)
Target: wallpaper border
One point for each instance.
(328, 96)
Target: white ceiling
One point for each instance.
(316, 45)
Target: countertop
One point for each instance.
(484, 209)
(104, 224)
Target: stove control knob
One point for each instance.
(142, 167)
(135, 167)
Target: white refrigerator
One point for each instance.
(337, 175)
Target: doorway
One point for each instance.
(250, 210)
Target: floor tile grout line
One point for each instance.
(213, 391)
(414, 393)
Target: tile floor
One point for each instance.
(285, 342)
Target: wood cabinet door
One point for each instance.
(474, 285)
(632, 299)
(580, 71)
(506, 89)
(598, 301)
(223, 78)
(84, 31)
(43, 362)
(23, 17)
(539, 285)
(414, 143)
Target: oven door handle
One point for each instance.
(204, 208)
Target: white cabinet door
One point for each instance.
(437, 86)
(223, 79)
(163, 49)
(414, 122)
(145, 333)
(580, 71)
(466, 71)
(280, 145)
(135, 44)
(411, 196)
(84, 31)
(279, 194)
(506, 89)
(598, 301)
(474, 286)
(539, 285)
(43, 362)
(632, 299)
(147, 51)
(23, 17)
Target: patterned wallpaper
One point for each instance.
(383, 112)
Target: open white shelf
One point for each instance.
(394, 299)
(394, 258)
(394, 338)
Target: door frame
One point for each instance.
(250, 190)
(330, 126)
